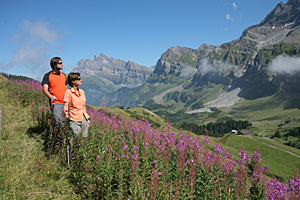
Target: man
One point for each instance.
(54, 86)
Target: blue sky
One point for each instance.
(33, 31)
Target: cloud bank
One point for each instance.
(284, 64)
(34, 41)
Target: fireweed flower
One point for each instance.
(228, 166)
(275, 190)
(109, 149)
(266, 168)
(98, 158)
(196, 144)
(125, 146)
(205, 140)
(154, 182)
(218, 148)
(256, 156)
(243, 158)
(135, 155)
(294, 188)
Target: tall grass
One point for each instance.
(25, 171)
(127, 159)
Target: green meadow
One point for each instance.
(277, 157)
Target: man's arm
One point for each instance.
(66, 104)
(47, 93)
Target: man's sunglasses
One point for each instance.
(60, 63)
(77, 79)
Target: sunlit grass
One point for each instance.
(280, 162)
(25, 171)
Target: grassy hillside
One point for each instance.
(25, 171)
(142, 113)
(277, 157)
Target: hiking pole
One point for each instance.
(68, 143)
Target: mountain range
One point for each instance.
(103, 74)
(263, 61)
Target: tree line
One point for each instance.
(217, 129)
(295, 132)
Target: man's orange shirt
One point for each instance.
(57, 85)
(75, 99)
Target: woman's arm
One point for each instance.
(86, 115)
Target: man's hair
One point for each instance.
(54, 61)
(71, 77)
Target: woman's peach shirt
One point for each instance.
(75, 100)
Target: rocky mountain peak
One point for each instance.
(115, 70)
(101, 56)
(205, 49)
(282, 24)
(283, 14)
(175, 61)
(177, 51)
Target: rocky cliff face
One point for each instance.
(177, 61)
(104, 74)
(114, 71)
(281, 25)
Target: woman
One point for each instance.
(74, 106)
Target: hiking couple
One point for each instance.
(64, 102)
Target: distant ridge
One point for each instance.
(105, 74)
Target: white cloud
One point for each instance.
(214, 66)
(234, 5)
(228, 16)
(283, 64)
(187, 70)
(34, 41)
(39, 30)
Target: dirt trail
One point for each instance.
(269, 145)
